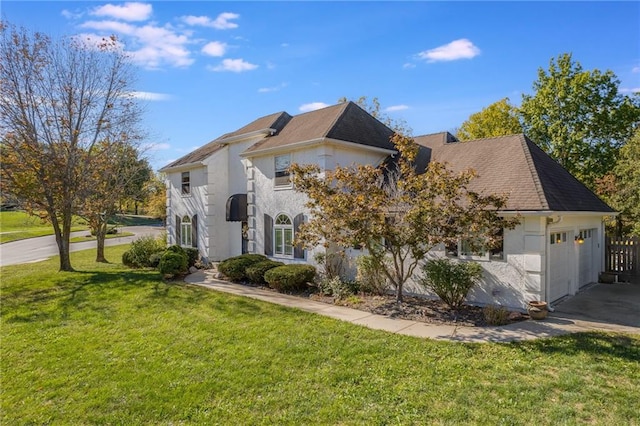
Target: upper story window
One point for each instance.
(186, 183)
(282, 175)
(283, 230)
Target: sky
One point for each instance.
(209, 68)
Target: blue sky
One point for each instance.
(207, 68)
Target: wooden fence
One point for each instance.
(622, 255)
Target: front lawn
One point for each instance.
(109, 345)
(18, 225)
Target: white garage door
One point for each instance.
(559, 265)
(586, 260)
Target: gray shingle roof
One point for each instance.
(514, 166)
(345, 121)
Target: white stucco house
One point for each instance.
(234, 195)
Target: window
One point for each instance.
(283, 235)
(282, 176)
(186, 232)
(468, 249)
(186, 183)
(558, 238)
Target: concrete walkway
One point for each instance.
(554, 325)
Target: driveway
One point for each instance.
(604, 303)
(42, 248)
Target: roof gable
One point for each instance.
(346, 121)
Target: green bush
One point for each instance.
(127, 259)
(256, 272)
(371, 276)
(290, 277)
(172, 263)
(450, 280)
(154, 259)
(496, 315)
(235, 268)
(176, 249)
(193, 255)
(141, 250)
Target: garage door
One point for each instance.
(586, 252)
(559, 265)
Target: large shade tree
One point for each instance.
(59, 99)
(579, 117)
(498, 119)
(394, 212)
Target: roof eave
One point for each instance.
(558, 213)
(316, 141)
(267, 132)
(182, 167)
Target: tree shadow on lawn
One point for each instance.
(595, 344)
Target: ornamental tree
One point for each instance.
(59, 99)
(396, 213)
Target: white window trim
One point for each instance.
(186, 232)
(182, 193)
(289, 184)
(282, 228)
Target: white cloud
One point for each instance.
(151, 46)
(396, 108)
(312, 106)
(71, 15)
(284, 45)
(233, 65)
(408, 65)
(214, 48)
(127, 12)
(635, 70)
(222, 21)
(151, 96)
(156, 147)
(272, 89)
(630, 90)
(94, 42)
(457, 49)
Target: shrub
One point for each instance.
(338, 288)
(176, 249)
(256, 272)
(141, 250)
(290, 277)
(371, 276)
(496, 315)
(450, 280)
(172, 263)
(235, 268)
(127, 259)
(154, 259)
(193, 255)
(332, 263)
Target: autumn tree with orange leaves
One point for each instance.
(62, 103)
(395, 212)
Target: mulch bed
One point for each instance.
(412, 308)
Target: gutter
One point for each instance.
(312, 142)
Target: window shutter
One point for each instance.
(194, 231)
(268, 235)
(298, 250)
(178, 226)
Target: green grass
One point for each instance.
(18, 225)
(133, 220)
(86, 238)
(109, 345)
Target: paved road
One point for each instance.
(42, 248)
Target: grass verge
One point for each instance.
(110, 345)
(18, 225)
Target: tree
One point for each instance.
(156, 204)
(621, 187)
(579, 117)
(117, 171)
(498, 119)
(59, 100)
(394, 212)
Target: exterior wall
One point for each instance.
(187, 205)
(263, 197)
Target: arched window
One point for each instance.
(283, 235)
(186, 232)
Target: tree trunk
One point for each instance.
(399, 293)
(62, 239)
(101, 233)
